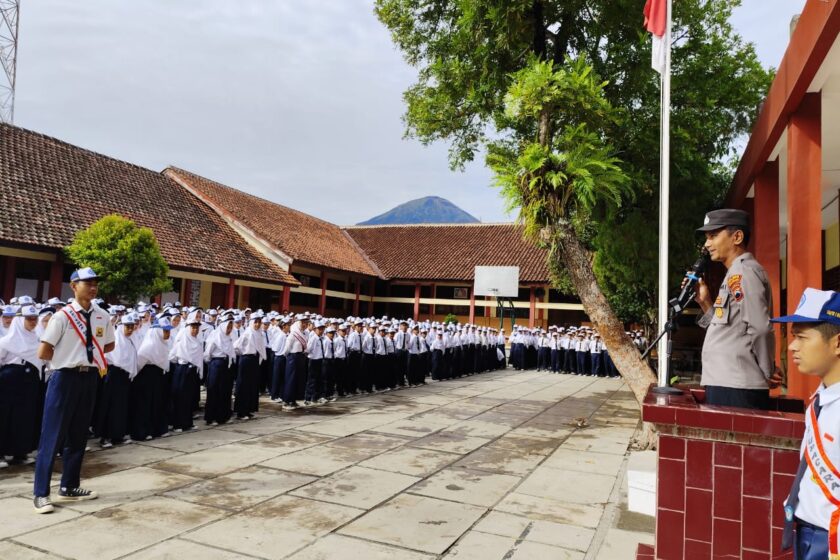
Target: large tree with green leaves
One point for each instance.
(475, 60)
(126, 256)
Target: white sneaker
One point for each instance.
(3, 464)
(165, 434)
(148, 438)
(128, 441)
(106, 445)
(322, 400)
(177, 430)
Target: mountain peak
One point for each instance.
(426, 210)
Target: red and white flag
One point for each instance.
(656, 21)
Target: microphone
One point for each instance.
(693, 276)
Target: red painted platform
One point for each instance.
(723, 474)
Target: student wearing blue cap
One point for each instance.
(812, 510)
(74, 343)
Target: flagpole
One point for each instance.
(664, 201)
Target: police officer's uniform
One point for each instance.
(738, 351)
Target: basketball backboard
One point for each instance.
(498, 281)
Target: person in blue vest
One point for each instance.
(812, 524)
(74, 343)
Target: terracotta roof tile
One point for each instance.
(299, 235)
(49, 190)
(449, 251)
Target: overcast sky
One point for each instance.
(297, 101)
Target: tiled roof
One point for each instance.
(49, 190)
(449, 251)
(298, 235)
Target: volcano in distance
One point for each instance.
(426, 210)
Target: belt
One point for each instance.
(81, 369)
(811, 526)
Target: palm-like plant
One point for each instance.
(556, 168)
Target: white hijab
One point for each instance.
(39, 329)
(221, 340)
(252, 342)
(188, 348)
(154, 350)
(124, 354)
(20, 344)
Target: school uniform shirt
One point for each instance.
(314, 347)
(69, 349)
(380, 345)
(368, 345)
(155, 350)
(389, 345)
(414, 344)
(19, 345)
(296, 342)
(564, 343)
(278, 345)
(354, 342)
(596, 347)
(739, 348)
(424, 346)
(124, 354)
(328, 347)
(438, 344)
(219, 345)
(401, 340)
(251, 342)
(188, 350)
(339, 347)
(813, 506)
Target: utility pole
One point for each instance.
(9, 10)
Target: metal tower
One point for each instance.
(8, 57)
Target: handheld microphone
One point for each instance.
(697, 269)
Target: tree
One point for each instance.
(127, 256)
(469, 54)
(559, 169)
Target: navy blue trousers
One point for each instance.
(277, 375)
(248, 385)
(68, 407)
(294, 371)
(112, 421)
(19, 393)
(217, 407)
(184, 379)
(811, 544)
(315, 381)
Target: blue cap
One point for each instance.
(83, 274)
(816, 306)
(162, 323)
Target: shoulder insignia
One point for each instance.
(734, 283)
(732, 280)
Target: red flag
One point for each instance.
(656, 14)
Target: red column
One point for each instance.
(432, 306)
(186, 287)
(246, 297)
(9, 278)
(230, 299)
(532, 312)
(472, 305)
(287, 294)
(56, 277)
(804, 177)
(748, 206)
(372, 293)
(356, 301)
(765, 235)
(322, 304)
(416, 302)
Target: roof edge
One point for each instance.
(362, 254)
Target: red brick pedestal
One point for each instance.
(723, 474)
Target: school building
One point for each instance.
(789, 175)
(225, 247)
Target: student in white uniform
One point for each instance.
(219, 355)
(112, 424)
(251, 349)
(149, 410)
(188, 356)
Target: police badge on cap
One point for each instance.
(718, 219)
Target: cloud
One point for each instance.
(297, 101)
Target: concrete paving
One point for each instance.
(493, 466)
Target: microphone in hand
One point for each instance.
(689, 284)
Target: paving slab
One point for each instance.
(322, 460)
(15, 551)
(17, 517)
(190, 442)
(450, 442)
(466, 486)
(214, 461)
(241, 489)
(357, 487)
(411, 460)
(536, 530)
(481, 546)
(177, 549)
(416, 522)
(120, 530)
(335, 546)
(536, 507)
(568, 486)
(275, 528)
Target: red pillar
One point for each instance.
(322, 304)
(432, 306)
(56, 277)
(230, 296)
(9, 278)
(765, 236)
(532, 312)
(284, 303)
(356, 301)
(472, 305)
(372, 293)
(186, 288)
(416, 302)
(246, 297)
(748, 206)
(804, 177)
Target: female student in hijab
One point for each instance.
(112, 422)
(44, 316)
(251, 350)
(188, 355)
(19, 374)
(219, 353)
(149, 398)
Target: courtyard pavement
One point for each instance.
(502, 465)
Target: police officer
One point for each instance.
(75, 343)
(738, 351)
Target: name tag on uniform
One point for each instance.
(100, 332)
